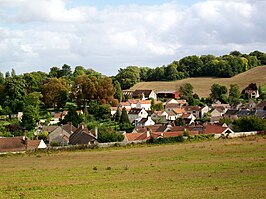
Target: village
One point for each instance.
(175, 119)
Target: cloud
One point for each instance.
(35, 35)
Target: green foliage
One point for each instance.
(179, 122)
(165, 140)
(72, 116)
(250, 124)
(124, 117)
(218, 92)
(30, 117)
(106, 134)
(225, 120)
(118, 91)
(128, 77)
(43, 136)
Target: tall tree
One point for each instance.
(118, 91)
(217, 92)
(51, 90)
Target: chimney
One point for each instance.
(96, 132)
(148, 134)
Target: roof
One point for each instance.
(179, 111)
(132, 101)
(49, 129)
(214, 129)
(12, 144)
(81, 136)
(69, 128)
(16, 144)
(138, 93)
(172, 106)
(171, 113)
(58, 115)
(123, 104)
(192, 108)
(230, 112)
(136, 136)
(144, 101)
(135, 111)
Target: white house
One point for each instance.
(135, 113)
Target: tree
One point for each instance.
(2, 79)
(65, 71)
(217, 92)
(79, 70)
(33, 99)
(13, 72)
(30, 117)
(14, 91)
(72, 116)
(125, 124)
(106, 134)
(54, 72)
(118, 91)
(186, 90)
(52, 89)
(128, 77)
(250, 124)
(117, 115)
(234, 91)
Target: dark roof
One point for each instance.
(69, 128)
(244, 113)
(138, 93)
(134, 111)
(81, 136)
(172, 106)
(261, 113)
(230, 112)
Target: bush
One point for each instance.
(179, 138)
(106, 134)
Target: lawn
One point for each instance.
(234, 168)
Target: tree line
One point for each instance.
(192, 66)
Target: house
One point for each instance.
(217, 113)
(217, 129)
(83, 136)
(174, 104)
(197, 111)
(168, 94)
(136, 136)
(126, 105)
(188, 118)
(152, 129)
(217, 103)
(144, 94)
(133, 103)
(145, 104)
(231, 114)
(158, 116)
(146, 122)
(61, 134)
(261, 105)
(170, 115)
(251, 91)
(135, 113)
(19, 144)
(113, 110)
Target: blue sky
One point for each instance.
(36, 35)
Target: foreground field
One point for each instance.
(202, 85)
(215, 169)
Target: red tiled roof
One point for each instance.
(136, 136)
(214, 129)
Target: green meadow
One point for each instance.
(230, 168)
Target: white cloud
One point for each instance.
(36, 35)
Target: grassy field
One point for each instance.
(202, 85)
(211, 169)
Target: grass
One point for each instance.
(211, 169)
(202, 85)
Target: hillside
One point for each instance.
(202, 85)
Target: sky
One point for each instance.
(107, 35)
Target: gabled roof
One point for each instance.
(49, 129)
(214, 129)
(136, 136)
(230, 112)
(81, 136)
(123, 104)
(172, 106)
(179, 111)
(171, 113)
(138, 93)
